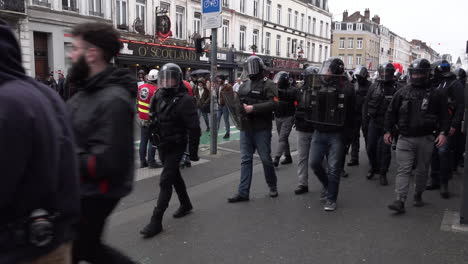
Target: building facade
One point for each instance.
(420, 50)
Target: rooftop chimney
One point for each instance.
(345, 15)
(376, 19)
(367, 13)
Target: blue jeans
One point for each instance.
(205, 117)
(442, 162)
(224, 111)
(249, 142)
(144, 141)
(328, 145)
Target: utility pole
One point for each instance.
(464, 198)
(213, 104)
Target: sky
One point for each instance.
(441, 24)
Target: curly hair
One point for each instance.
(101, 35)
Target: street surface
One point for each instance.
(287, 229)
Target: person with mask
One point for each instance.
(174, 120)
(202, 96)
(259, 98)
(417, 110)
(284, 116)
(333, 115)
(223, 87)
(361, 86)
(146, 92)
(461, 140)
(39, 194)
(443, 158)
(305, 129)
(102, 114)
(375, 106)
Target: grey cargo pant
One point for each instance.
(304, 140)
(411, 150)
(284, 126)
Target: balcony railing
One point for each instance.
(12, 5)
(71, 8)
(96, 13)
(44, 3)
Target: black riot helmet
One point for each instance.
(309, 73)
(387, 72)
(332, 66)
(254, 66)
(403, 78)
(170, 76)
(461, 75)
(419, 72)
(361, 73)
(440, 69)
(282, 80)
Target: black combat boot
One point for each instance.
(353, 163)
(417, 200)
(397, 206)
(154, 227)
(383, 178)
(183, 211)
(444, 192)
(276, 161)
(370, 174)
(287, 160)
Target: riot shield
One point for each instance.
(325, 99)
(236, 109)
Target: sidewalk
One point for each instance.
(290, 228)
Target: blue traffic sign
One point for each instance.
(211, 6)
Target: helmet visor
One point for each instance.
(386, 74)
(360, 71)
(278, 76)
(169, 79)
(253, 67)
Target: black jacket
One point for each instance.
(455, 93)
(377, 101)
(416, 112)
(37, 161)
(264, 104)
(102, 113)
(177, 117)
(286, 105)
(299, 118)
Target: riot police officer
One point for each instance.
(284, 116)
(376, 104)
(443, 159)
(461, 76)
(173, 115)
(417, 110)
(305, 129)
(361, 86)
(259, 97)
(332, 113)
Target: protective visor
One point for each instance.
(169, 79)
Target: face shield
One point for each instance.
(386, 75)
(169, 79)
(419, 77)
(325, 69)
(278, 76)
(360, 72)
(253, 66)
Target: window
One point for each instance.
(314, 25)
(180, 17)
(294, 48)
(69, 5)
(289, 16)
(308, 51)
(326, 52)
(268, 11)
(288, 48)
(121, 10)
(278, 15)
(255, 39)
(95, 8)
(326, 30)
(296, 14)
(359, 43)
(255, 8)
(350, 61)
(225, 3)
(351, 43)
(337, 26)
(313, 52)
(140, 10)
(309, 25)
(359, 26)
(165, 6)
(242, 38)
(41, 3)
(321, 28)
(349, 26)
(302, 22)
(342, 41)
(267, 43)
(278, 45)
(197, 22)
(320, 53)
(242, 6)
(358, 59)
(341, 56)
(225, 33)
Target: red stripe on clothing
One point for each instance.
(92, 166)
(104, 186)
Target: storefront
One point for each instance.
(137, 55)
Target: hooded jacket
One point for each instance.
(102, 113)
(37, 161)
